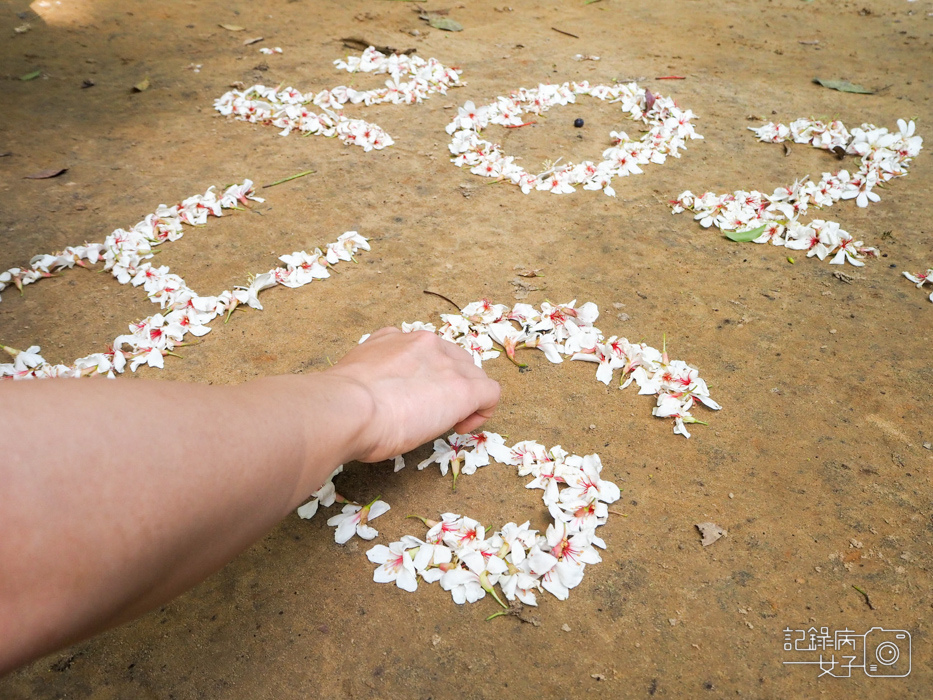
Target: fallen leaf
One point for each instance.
(5, 154)
(238, 85)
(745, 236)
(233, 27)
(142, 85)
(254, 40)
(522, 272)
(710, 532)
(30, 76)
(46, 174)
(23, 28)
(445, 24)
(843, 86)
(87, 82)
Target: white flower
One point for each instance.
(396, 565)
(353, 520)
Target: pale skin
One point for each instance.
(119, 495)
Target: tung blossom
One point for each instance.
(354, 520)
(884, 156)
(411, 80)
(668, 128)
(127, 254)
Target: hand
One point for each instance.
(420, 386)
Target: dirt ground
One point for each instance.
(825, 384)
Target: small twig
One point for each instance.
(288, 179)
(449, 301)
(671, 77)
(864, 595)
(561, 31)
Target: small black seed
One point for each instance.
(578, 122)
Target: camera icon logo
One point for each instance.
(887, 653)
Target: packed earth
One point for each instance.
(214, 159)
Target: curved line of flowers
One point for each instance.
(775, 218)
(456, 551)
(411, 81)
(126, 254)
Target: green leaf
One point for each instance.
(31, 76)
(745, 236)
(446, 24)
(843, 86)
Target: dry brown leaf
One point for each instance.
(710, 532)
(254, 40)
(46, 174)
(233, 27)
(142, 85)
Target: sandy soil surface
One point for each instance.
(816, 466)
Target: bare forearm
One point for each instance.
(151, 486)
(117, 495)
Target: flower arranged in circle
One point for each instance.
(668, 129)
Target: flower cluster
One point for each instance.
(668, 129)
(563, 330)
(458, 553)
(921, 278)
(126, 254)
(775, 218)
(411, 80)
(456, 550)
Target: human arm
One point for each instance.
(118, 495)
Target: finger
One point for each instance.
(489, 395)
(468, 425)
(388, 330)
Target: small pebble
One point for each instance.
(578, 122)
(565, 627)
